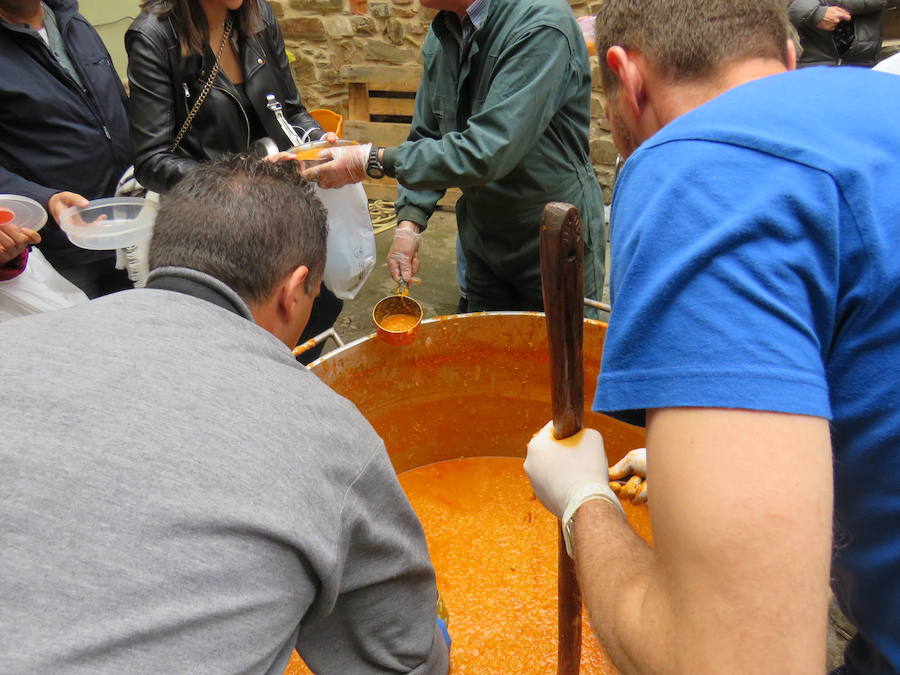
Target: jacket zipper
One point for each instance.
(83, 91)
(187, 99)
(241, 108)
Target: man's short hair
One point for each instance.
(245, 222)
(689, 40)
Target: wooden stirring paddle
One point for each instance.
(562, 280)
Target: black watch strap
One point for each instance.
(374, 167)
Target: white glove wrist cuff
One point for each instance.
(406, 233)
(585, 494)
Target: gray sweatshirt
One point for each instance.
(178, 495)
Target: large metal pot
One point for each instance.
(468, 386)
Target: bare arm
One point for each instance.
(738, 575)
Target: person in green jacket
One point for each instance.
(502, 112)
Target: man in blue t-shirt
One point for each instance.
(756, 332)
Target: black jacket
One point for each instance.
(54, 136)
(818, 45)
(164, 85)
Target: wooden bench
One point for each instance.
(381, 102)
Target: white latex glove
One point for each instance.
(403, 258)
(565, 474)
(347, 165)
(632, 469)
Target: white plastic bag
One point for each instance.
(351, 240)
(39, 288)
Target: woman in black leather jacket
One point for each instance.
(172, 49)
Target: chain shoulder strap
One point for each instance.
(206, 87)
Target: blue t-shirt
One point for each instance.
(756, 265)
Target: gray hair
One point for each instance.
(245, 222)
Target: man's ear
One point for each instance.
(293, 293)
(631, 80)
(791, 55)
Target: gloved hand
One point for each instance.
(632, 469)
(565, 474)
(347, 165)
(403, 258)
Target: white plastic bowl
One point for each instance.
(106, 224)
(22, 212)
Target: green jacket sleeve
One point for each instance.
(418, 205)
(528, 86)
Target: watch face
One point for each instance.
(374, 168)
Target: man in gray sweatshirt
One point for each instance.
(177, 493)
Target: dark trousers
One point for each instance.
(325, 311)
(97, 278)
(487, 291)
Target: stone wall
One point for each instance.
(324, 35)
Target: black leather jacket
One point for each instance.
(164, 85)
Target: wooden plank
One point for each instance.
(379, 133)
(358, 102)
(391, 106)
(401, 88)
(395, 75)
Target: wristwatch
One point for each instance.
(374, 167)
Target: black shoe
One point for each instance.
(463, 306)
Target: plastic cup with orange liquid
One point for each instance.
(308, 153)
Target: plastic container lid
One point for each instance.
(309, 152)
(106, 224)
(22, 212)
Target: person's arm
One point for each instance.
(151, 115)
(376, 611)
(53, 200)
(718, 311)
(855, 7)
(806, 13)
(13, 184)
(739, 569)
(528, 86)
(417, 206)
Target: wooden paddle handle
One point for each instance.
(562, 279)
